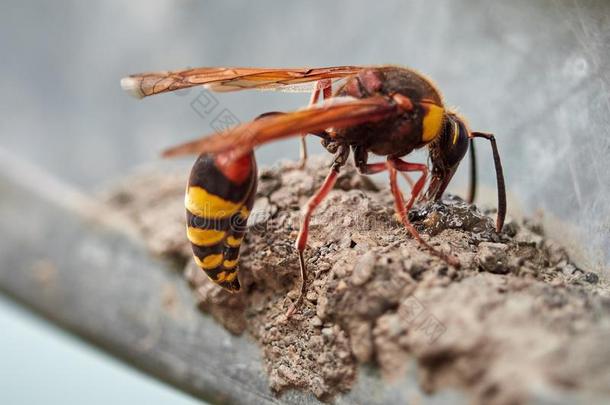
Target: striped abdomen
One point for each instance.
(219, 197)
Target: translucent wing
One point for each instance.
(338, 112)
(233, 79)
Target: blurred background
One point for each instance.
(534, 73)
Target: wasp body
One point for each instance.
(385, 110)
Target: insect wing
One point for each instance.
(337, 113)
(233, 79)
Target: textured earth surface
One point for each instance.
(517, 319)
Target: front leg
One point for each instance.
(394, 165)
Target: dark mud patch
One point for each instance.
(517, 320)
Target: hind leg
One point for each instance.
(312, 204)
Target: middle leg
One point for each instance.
(405, 167)
(361, 160)
(324, 87)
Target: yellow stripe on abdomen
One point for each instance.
(203, 204)
(204, 237)
(226, 276)
(229, 264)
(233, 242)
(209, 262)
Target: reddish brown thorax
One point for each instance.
(366, 83)
(237, 170)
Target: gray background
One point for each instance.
(534, 73)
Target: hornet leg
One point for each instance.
(396, 164)
(472, 189)
(312, 204)
(361, 159)
(408, 179)
(416, 189)
(323, 86)
(499, 178)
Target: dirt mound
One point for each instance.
(517, 318)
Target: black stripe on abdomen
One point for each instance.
(206, 175)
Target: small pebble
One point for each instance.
(591, 277)
(363, 268)
(491, 257)
(323, 266)
(343, 354)
(327, 332)
(315, 321)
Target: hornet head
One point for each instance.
(446, 153)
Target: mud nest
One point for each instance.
(518, 316)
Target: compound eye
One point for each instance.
(455, 141)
